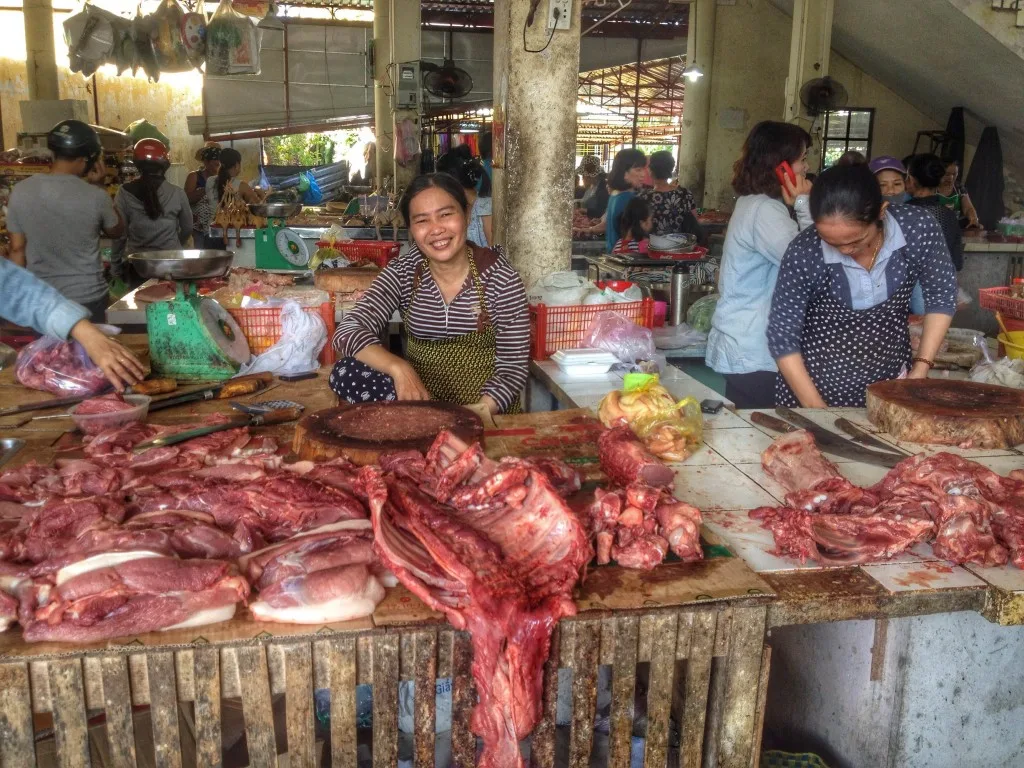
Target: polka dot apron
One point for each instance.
(846, 349)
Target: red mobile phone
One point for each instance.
(782, 170)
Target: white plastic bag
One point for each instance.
(616, 333)
(559, 289)
(678, 336)
(303, 336)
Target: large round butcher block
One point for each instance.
(947, 412)
(364, 431)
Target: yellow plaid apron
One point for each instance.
(455, 370)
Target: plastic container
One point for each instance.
(555, 328)
(584, 362)
(698, 252)
(262, 327)
(380, 252)
(660, 313)
(93, 424)
(1014, 345)
(999, 300)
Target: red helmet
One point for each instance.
(152, 151)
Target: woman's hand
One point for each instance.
(121, 367)
(408, 385)
(485, 408)
(919, 371)
(791, 191)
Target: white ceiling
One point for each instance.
(936, 58)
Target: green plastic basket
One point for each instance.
(776, 759)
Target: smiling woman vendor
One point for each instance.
(839, 313)
(463, 308)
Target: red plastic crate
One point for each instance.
(555, 328)
(999, 300)
(380, 252)
(262, 327)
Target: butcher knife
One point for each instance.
(254, 420)
(837, 445)
(150, 387)
(865, 438)
(237, 387)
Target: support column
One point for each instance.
(383, 84)
(396, 39)
(693, 137)
(41, 61)
(809, 52)
(535, 92)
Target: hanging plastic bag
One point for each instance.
(303, 336)
(257, 9)
(614, 332)
(407, 142)
(143, 129)
(699, 315)
(232, 43)
(60, 367)
(165, 28)
(193, 34)
(313, 195)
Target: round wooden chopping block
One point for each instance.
(946, 412)
(364, 431)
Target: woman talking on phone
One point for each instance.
(770, 180)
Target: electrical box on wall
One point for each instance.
(559, 14)
(407, 85)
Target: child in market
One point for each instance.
(635, 225)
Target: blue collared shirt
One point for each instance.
(27, 300)
(868, 289)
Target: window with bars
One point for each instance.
(847, 130)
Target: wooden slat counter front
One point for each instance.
(679, 619)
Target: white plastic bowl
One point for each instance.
(94, 423)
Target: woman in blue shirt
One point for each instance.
(839, 314)
(629, 169)
(760, 230)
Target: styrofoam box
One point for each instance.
(584, 362)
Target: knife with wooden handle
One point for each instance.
(837, 445)
(772, 423)
(279, 416)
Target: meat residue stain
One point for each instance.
(924, 579)
(603, 581)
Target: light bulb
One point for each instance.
(693, 73)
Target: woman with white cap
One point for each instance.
(195, 190)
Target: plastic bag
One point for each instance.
(559, 289)
(166, 27)
(60, 367)
(313, 195)
(616, 333)
(143, 129)
(303, 336)
(679, 336)
(671, 430)
(232, 43)
(699, 315)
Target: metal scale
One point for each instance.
(277, 246)
(191, 338)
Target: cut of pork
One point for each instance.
(505, 573)
(795, 463)
(625, 460)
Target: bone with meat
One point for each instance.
(505, 573)
(968, 513)
(625, 460)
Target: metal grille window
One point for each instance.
(847, 130)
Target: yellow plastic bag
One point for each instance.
(670, 429)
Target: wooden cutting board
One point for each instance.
(947, 412)
(362, 432)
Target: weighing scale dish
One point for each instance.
(181, 265)
(275, 210)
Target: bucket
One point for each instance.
(1013, 346)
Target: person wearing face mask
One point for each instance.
(891, 176)
(923, 178)
(839, 313)
(464, 312)
(759, 232)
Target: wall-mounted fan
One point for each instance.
(446, 81)
(823, 94)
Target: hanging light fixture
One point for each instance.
(692, 72)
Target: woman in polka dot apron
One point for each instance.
(464, 310)
(839, 313)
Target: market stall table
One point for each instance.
(712, 614)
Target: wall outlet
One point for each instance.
(563, 18)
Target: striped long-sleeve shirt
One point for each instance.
(430, 318)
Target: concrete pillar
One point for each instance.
(396, 39)
(535, 91)
(693, 138)
(809, 52)
(41, 61)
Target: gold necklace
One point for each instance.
(878, 248)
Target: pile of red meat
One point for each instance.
(207, 514)
(638, 522)
(967, 512)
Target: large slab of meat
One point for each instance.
(494, 547)
(967, 512)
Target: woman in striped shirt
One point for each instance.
(464, 311)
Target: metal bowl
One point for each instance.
(681, 242)
(181, 265)
(274, 210)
